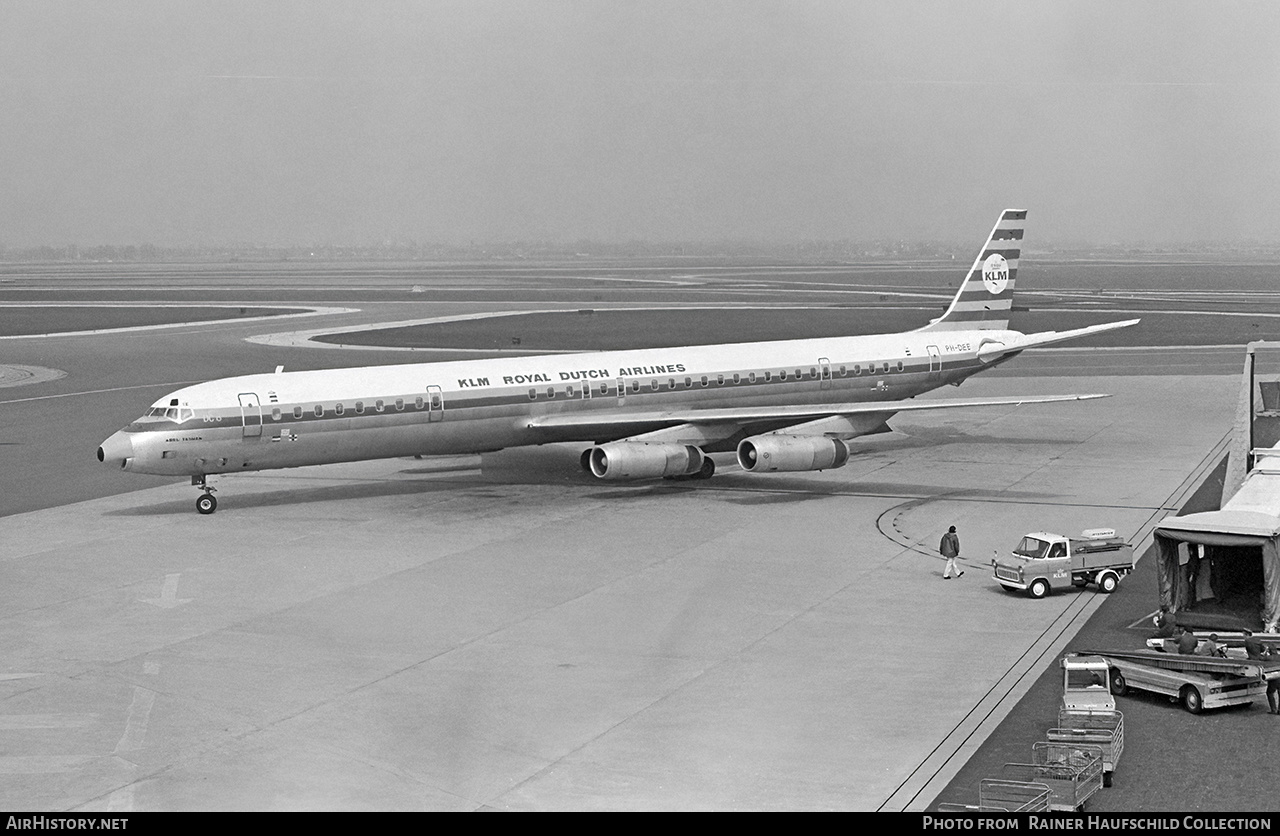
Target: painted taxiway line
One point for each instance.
(308, 311)
(101, 391)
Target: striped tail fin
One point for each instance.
(986, 296)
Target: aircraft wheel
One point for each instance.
(1108, 582)
(206, 504)
(1118, 685)
(1038, 589)
(1191, 699)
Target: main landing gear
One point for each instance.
(207, 503)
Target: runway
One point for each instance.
(505, 633)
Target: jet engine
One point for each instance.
(773, 453)
(637, 460)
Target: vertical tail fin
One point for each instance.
(986, 295)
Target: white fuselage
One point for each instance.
(290, 419)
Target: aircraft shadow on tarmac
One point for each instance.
(355, 489)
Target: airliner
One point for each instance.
(783, 406)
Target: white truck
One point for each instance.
(1042, 562)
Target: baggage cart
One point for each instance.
(1072, 773)
(1104, 729)
(996, 795)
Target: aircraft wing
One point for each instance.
(994, 350)
(797, 413)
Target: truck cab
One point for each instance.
(1043, 561)
(1086, 684)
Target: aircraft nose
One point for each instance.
(116, 450)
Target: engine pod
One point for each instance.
(784, 453)
(637, 460)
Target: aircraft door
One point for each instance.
(935, 362)
(824, 366)
(250, 414)
(435, 404)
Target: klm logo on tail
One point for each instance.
(986, 296)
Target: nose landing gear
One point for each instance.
(207, 503)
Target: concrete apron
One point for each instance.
(419, 635)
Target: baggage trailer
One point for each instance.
(1072, 773)
(1198, 682)
(1042, 562)
(996, 795)
(1104, 729)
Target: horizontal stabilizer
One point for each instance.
(994, 350)
(743, 415)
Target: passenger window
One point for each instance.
(886, 367)
(751, 378)
(379, 405)
(339, 409)
(533, 394)
(568, 391)
(359, 407)
(688, 383)
(704, 380)
(798, 374)
(319, 410)
(604, 388)
(813, 372)
(419, 402)
(719, 380)
(551, 392)
(275, 414)
(635, 386)
(653, 384)
(782, 375)
(436, 400)
(768, 376)
(843, 371)
(900, 366)
(671, 384)
(297, 412)
(857, 369)
(399, 404)
(737, 378)
(871, 368)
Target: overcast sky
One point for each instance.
(354, 121)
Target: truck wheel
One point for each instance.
(1118, 685)
(1107, 583)
(1191, 700)
(1038, 589)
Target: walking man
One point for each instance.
(950, 549)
